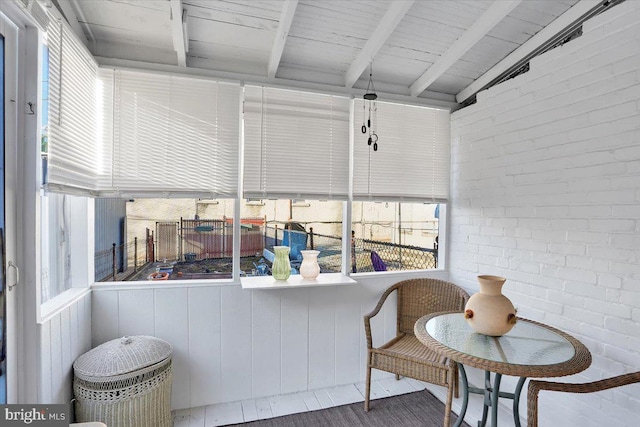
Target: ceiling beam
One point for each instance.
(83, 21)
(286, 18)
(124, 64)
(489, 19)
(179, 31)
(573, 14)
(68, 11)
(388, 23)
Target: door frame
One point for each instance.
(10, 33)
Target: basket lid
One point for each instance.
(121, 356)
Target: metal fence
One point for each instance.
(330, 247)
(394, 256)
(111, 263)
(166, 241)
(202, 239)
(198, 239)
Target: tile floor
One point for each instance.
(275, 406)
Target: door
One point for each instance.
(8, 269)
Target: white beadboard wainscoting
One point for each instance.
(232, 344)
(63, 336)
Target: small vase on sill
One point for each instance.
(281, 268)
(309, 269)
(489, 312)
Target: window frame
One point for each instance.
(346, 225)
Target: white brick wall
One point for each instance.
(546, 192)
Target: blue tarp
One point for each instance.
(297, 241)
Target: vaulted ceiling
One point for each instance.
(442, 50)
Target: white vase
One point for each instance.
(489, 312)
(309, 269)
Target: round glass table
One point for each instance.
(530, 350)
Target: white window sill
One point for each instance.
(60, 302)
(296, 281)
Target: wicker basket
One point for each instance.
(125, 382)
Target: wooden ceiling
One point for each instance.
(428, 50)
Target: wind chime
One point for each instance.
(369, 104)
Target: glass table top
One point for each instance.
(526, 344)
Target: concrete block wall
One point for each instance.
(546, 192)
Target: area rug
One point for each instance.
(419, 409)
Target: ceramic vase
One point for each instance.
(309, 269)
(489, 312)
(281, 268)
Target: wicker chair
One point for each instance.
(405, 355)
(535, 386)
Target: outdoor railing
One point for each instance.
(394, 256)
(205, 239)
(112, 263)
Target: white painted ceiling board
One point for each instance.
(448, 83)
(542, 12)
(330, 33)
(484, 56)
(144, 23)
(234, 56)
(224, 33)
(258, 18)
(328, 58)
(236, 37)
(457, 14)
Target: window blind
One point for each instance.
(296, 144)
(412, 161)
(170, 136)
(72, 132)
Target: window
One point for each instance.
(398, 189)
(297, 165)
(68, 146)
(171, 147)
(168, 148)
(193, 238)
(299, 224)
(296, 144)
(166, 239)
(412, 161)
(55, 219)
(56, 245)
(168, 136)
(395, 211)
(392, 236)
(72, 139)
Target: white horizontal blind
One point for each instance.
(172, 136)
(412, 161)
(73, 137)
(296, 144)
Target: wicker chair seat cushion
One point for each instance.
(409, 357)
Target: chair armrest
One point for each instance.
(376, 310)
(535, 386)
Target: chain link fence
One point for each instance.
(366, 255)
(394, 256)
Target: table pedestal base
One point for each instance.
(491, 394)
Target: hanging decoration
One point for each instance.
(369, 104)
